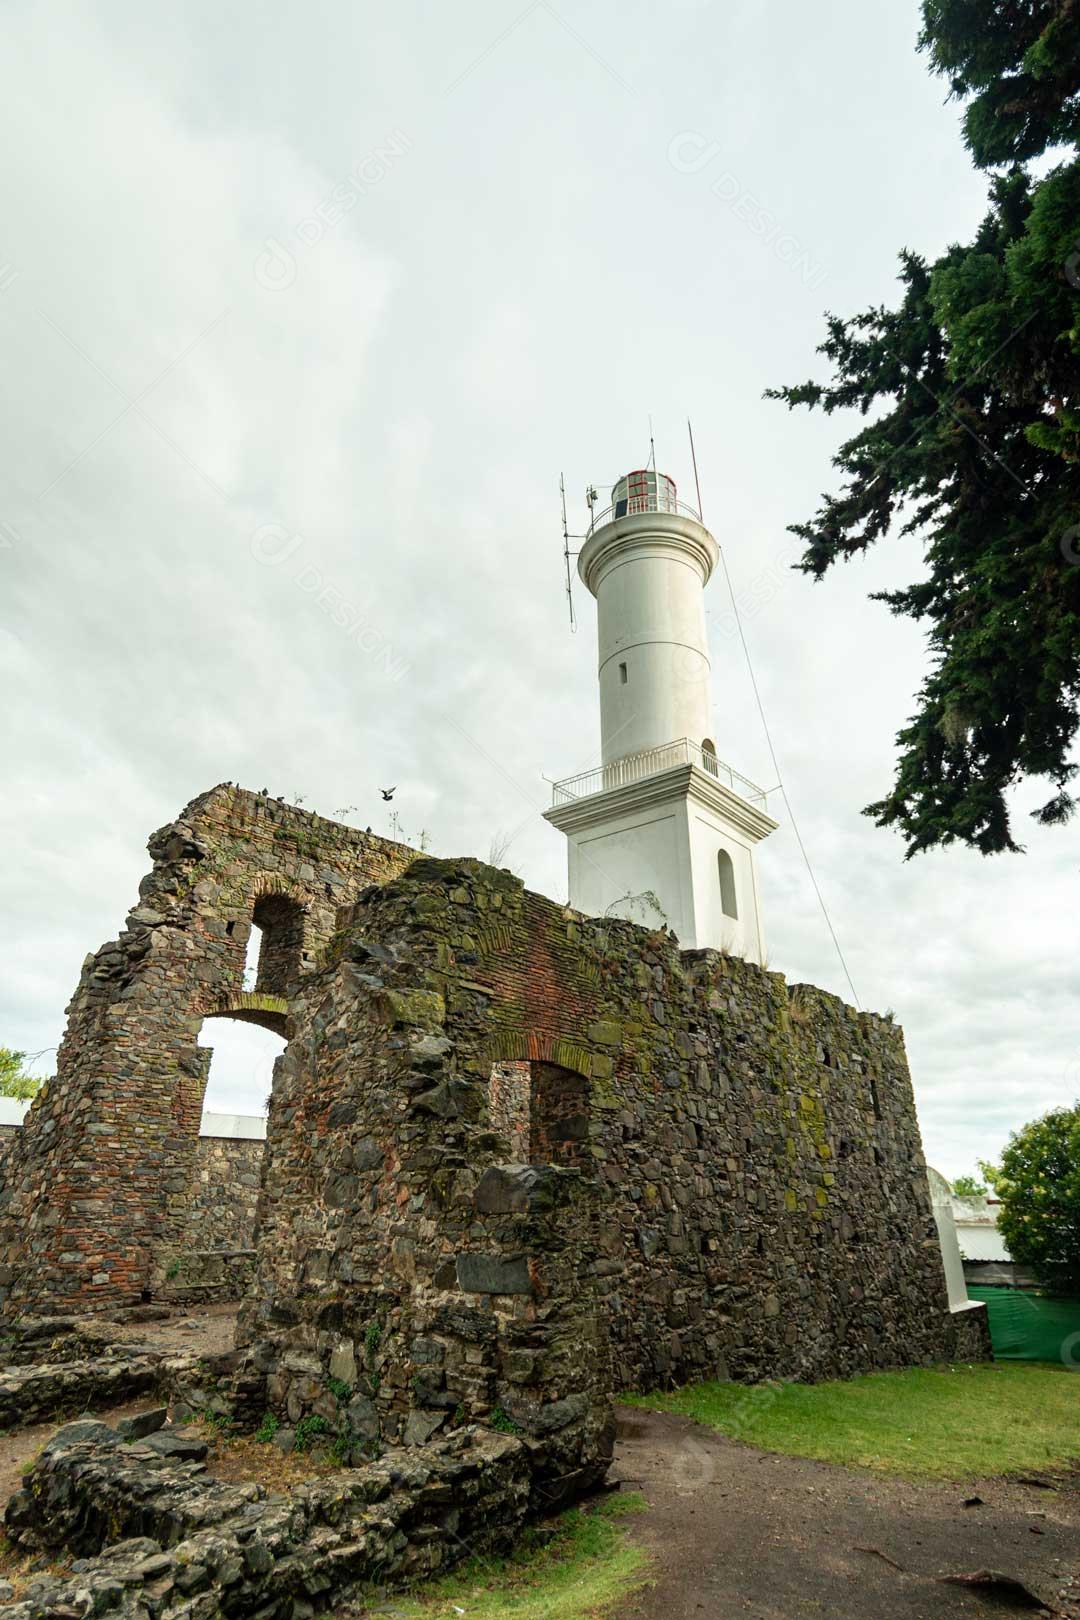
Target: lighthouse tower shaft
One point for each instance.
(662, 832)
(647, 572)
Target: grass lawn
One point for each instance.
(582, 1571)
(942, 1422)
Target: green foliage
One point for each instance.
(648, 898)
(343, 1444)
(308, 1429)
(267, 1429)
(584, 1569)
(172, 1269)
(1020, 64)
(969, 1187)
(14, 1082)
(1039, 1188)
(991, 1174)
(339, 1389)
(972, 441)
(941, 1422)
(373, 1337)
(502, 1421)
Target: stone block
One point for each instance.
(513, 1189)
(493, 1274)
(343, 1362)
(143, 1423)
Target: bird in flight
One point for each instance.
(388, 793)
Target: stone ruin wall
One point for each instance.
(735, 1184)
(97, 1199)
(9, 1143)
(225, 1193)
(516, 1161)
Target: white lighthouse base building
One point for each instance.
(673, 847)
(661, 832)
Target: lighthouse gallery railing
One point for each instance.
(632, 505)
(635, 767)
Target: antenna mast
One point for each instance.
(567, 554)
(693, 458)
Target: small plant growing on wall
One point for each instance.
(503, 1422)
(267, 1429)
(309, 1429)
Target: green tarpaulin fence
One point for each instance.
(1027, 1327)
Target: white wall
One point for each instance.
(941, 1204)
(976, 1228)
(642, 849)
(743, 936)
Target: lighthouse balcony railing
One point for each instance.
(636, 767)
(631, 505)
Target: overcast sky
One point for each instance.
(322, 299)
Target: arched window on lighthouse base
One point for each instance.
(728, 899)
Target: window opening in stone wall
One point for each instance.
(251, 954)
(541, 1111)
(622, 675)
(220, 1216)
(875, 1098)
(728, 899)
(559, 1116)
(708, 756)
(281, 922)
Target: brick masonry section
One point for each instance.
(224, 1195)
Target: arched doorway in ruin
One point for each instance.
(241, 1046)
(243, 1032)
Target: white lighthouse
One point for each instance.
(661, 831)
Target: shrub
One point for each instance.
(1039, 1188)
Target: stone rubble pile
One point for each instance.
(56, 1366)
(157, 1537)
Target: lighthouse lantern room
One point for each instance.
(661, 832)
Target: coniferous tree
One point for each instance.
(972, 387)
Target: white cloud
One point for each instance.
(526, 282)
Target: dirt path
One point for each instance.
(739, 1534)
(20, 1446)
(205, 1330)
